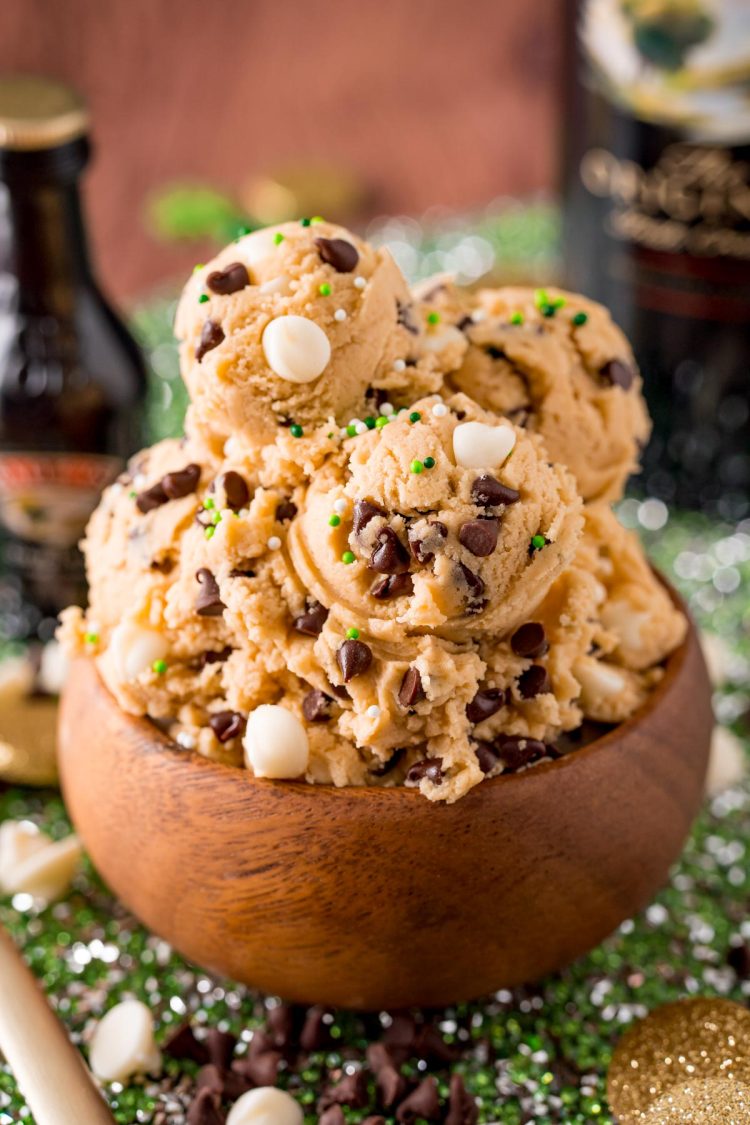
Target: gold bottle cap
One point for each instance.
(38, 113)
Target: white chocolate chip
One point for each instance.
(727, 764)
(32, 864)
(252, 249)
(265, 1106)
(186, 740)
(296, 349)
(439, 341)
(276, 743)
(19, 840)
(479, 446)
(598, 680)
(278, 284)
(123, 1043)
(133, 648)
(625, 622)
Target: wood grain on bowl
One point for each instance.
(377, 898)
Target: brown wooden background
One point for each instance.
(436, 102)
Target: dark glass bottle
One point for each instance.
(657, 223)
(72, 379)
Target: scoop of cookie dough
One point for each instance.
(556, 364)
(452, 521)
(292, 325)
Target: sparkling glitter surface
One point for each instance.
(534, 1054)
(706, 1101)
(674, 1047)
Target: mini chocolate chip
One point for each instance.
(229, 280)
(227, 724)
(235, 489)
(208, 603)
(391, 1086)
(213, 656)
(617, 374)
(182, 1044)
(220, 1046)
(464, 323)
(462, 1108)
(211, 336)
(517, 751)
(411, 690)
(487, 756)
(181, 483)
(431, 768)
(286, 510)
(404, 318)
(392, 586)
(163, 566)
(529, 640)
(421, 1103)
(479, 536)
(474, 583)
(534, 681)
(364, 511)
(312, 620)
(485, 703)
(389, 556)
(205, 1109)
(316, 706)
(421, 553)
(339, 690)
(488, 492)
(351, 1091)
(315, 1034)
(151, 498)
(238, 572)
(339, 253)
(354, 658)
(494, 352)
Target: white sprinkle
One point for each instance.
(399, 365)
(440, 410)
(354, 421)
(361, 428)
(340, 314)
(387, 409)
(373, 712)
(274, 543)
(116, 489)
(139, 481)
(478, 316)
(359, 282)
(342, 432)
(340, 506)
(185, 740)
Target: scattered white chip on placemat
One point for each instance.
(727, 764)
(479, 446)
(123, 1043)
(265, 1106)
(32, 864)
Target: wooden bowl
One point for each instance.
(377, 898)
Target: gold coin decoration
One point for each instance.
(706, 1101)
(672, 1051)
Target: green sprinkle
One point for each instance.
(296, 430)
(324, 289)
(351, 430)
(417, 466)
(132, 494)
(278, 238)
(209, 503)
(347, 557)
(236, 515)
(330, 436)
(547, 310)
(579, 319)
(242, 230)
(540, 298)
(415, 416)
(370, 422)
(537, 542)
(334, 521)
(203, 298)
(433, 318)
(352, 634)
(380, 422)
(160, 667)
(516, 318)
(317, 219)
(429, 462)
(91, 638)
(209, 532)
(216, 518)
(199, 266)
(305, 222)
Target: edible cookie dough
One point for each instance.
(359, 566)
(556, 364)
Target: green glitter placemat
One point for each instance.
(538, 1053)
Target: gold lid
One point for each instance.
(37, 113)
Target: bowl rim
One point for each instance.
(191, 758)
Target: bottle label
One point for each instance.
(47, 498)
(682, 64)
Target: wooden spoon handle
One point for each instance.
(49, 1070)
